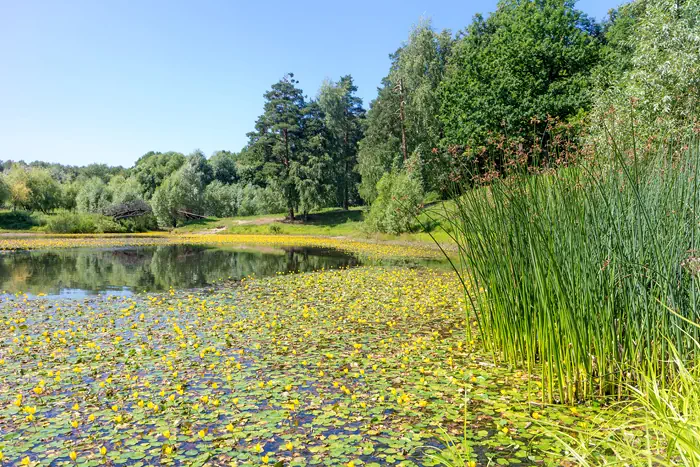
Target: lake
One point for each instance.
(80, 272)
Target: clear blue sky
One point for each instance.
(106, 81)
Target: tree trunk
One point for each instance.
(346, 203)
(291, 213)
(402, 117)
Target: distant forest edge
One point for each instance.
(534, 85)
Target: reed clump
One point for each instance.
(588, 274)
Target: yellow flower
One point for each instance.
(203, 433)
(103, 451)
(75, 423)
(168, 450)
(76, 407)
(350, 464)
(257, 448)
(289, 446)
(167, 434)
(26, 461)
(73, 456)
(229, 427)
(265, 459)
(536, 415)
(471, 464)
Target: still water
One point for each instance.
(122, 271)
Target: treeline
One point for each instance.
(535, 83)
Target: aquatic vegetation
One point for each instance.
(590, 272)
(364, 366)
(368, 249)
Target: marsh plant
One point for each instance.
(587, 273)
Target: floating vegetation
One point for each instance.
(366, 248)
(363, 366)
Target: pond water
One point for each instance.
(81, 272)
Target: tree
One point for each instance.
(223, 164)
(312, 169)
(199, 163)
(529, 60)
(4, 191)
(124, 190)
(154, 167)
(404, 119)
(398, 202)
(221, 199)
(276, 142)
(180, 193)
(33, 189)
(343, 117)
(93, 196)
(653, 83)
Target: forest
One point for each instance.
(534, 83)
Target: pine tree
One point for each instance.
(343, 117)
(276, 142)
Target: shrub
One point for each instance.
(74, 223)
(221, 200)
(398, 203)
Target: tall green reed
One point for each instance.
(589, 273)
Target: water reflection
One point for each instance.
(76, 272)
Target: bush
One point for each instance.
(221, 200)
(18, 220)
(655, 88)
(74, 223)
(398, 203)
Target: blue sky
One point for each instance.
(107, 81)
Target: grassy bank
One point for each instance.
(326, 222)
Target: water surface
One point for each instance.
(81, 272)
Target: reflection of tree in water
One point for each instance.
(153, 268)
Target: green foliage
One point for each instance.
(33, 189)
(398, 202)
(221, 200)
(289, 148)
(223, 164)
(653, 85)
(124, 190)
(343, 115)
(200, 165)
(312, 172)
(74, 223)
(18, 220)
(4, 191)
(181, 192)
(406, 108)
(586, 273)
(527, 61)
(93, 196)
(154, 167)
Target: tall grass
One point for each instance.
(588, 274)
(659, 425)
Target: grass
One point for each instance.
(589, 275)
(326, 222)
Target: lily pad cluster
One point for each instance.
(366, 366)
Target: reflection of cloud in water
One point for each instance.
(79, 272)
